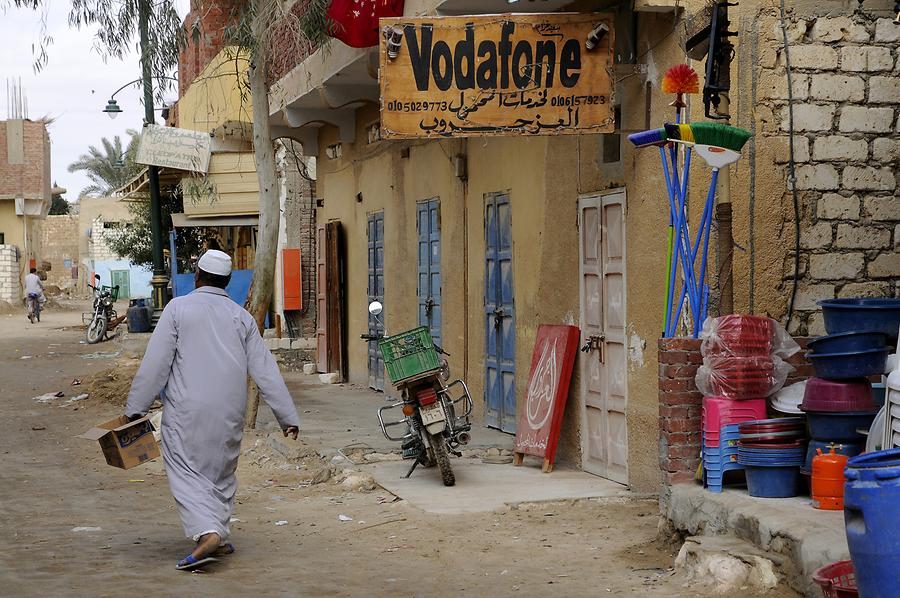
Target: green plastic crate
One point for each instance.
(409, 354)
(113, 292)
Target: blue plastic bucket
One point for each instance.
(138, 320)
(772, 482)
(872, 519)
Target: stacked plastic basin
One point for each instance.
(721, 417)
(772, 452)
(872, 520)
(835, 411)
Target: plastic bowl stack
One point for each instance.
(772, 452)
(849, 354)
(835, 411)
(738, 360)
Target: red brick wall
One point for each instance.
(211, 17)
(680, 405)
(31, 179)
(287, 49)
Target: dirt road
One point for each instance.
(72, 526)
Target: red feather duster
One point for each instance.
(679, 79)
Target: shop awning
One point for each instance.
(185, 221)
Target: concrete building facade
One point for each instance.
(561, 193)
(25, 197)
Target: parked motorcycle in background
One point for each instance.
(103, 312)
(433, 428)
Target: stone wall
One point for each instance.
(98, 249)
(846, 91)
(60, 247)
(681, 405)
(10, 285)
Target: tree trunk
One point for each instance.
(263, 285)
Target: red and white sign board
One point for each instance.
(552, 362)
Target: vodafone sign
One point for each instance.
(495, 75)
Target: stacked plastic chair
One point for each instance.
(721, 417)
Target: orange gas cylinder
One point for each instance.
(828, 480)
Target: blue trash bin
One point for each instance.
(872, 519)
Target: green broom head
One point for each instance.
(719, 135)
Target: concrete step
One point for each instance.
(787, 531)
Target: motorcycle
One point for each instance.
(435, 414)
(103, 312)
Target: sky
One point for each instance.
(72, 88)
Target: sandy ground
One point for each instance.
(72, 526)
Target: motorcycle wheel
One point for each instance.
(442, 457)
(96, 330)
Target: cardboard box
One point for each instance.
(125, 444)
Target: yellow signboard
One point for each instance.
(521, 74)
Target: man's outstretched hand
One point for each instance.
(291, 431)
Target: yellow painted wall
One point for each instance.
(545, 177)
(230, 188)
(217, 95)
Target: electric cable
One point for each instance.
(792, 177)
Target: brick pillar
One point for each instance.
(680, 405)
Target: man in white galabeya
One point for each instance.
(200, 354)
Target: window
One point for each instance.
(2, 238)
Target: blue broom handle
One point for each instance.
(673, 267)
(709, 203)
(689, 286)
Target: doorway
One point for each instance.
(330, 340)
(499, 315)
(121, 278)
(376, 293)
(428, 223)
(604, 384)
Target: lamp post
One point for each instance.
(160, 280)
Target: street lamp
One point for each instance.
(112, 109)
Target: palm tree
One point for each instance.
(110, 168)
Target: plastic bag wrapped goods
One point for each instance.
(743, 357)
(745, 336)
(742, 377)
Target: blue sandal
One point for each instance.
(189, 563)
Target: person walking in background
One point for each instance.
(200, 354)
(34, 292)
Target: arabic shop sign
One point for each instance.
(495, 75)
(181, 149)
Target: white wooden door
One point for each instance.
(604, 431)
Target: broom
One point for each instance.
(719, 145)
(658, 138)
(679, 79)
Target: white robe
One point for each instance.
(200, 354)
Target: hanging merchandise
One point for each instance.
(355, 22)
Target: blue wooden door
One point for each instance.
(376, 293)
(499, 316)
(429, 289)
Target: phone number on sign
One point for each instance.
(577, 100)
(398, 106)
